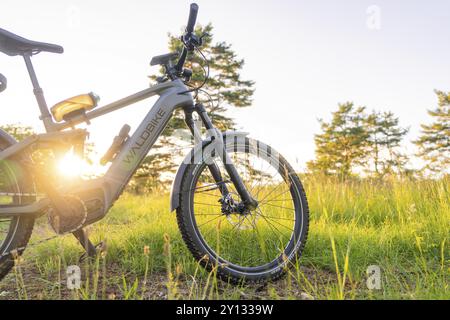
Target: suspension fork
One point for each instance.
(249, 202)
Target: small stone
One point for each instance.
(305, 296)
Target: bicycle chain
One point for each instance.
(15, 251)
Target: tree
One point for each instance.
(434, 141)
(21, 132)
(153, 173)
(18, 131)
(225, 87)
(384, 136)
(341, 147)
(225, 90)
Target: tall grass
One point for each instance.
(400, 225)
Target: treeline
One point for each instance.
(369, 144)
(354, 143)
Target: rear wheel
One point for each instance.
(16, 189)
(257, 245)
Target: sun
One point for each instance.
(71, 165)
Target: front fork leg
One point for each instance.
(249, 202)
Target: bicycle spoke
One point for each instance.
(278, 218)
(211, 195)
(262, 201)
(271, 225)
(207, 204)
(210, 185)
(275, 206)
(277, 222)
(237, 225)
(277, 200)
(209, 221)
(276, 188)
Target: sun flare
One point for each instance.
(71, 165)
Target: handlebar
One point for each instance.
(192, 18)
(188, 36)
(3, 83)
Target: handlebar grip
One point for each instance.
(3, 83)
(192, 18)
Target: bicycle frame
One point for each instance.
(105, 190)
(134, 150)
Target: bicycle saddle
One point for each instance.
(14, 45)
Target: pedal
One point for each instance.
(116, 145)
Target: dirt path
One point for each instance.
(29, 284)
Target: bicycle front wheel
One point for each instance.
(253, 246)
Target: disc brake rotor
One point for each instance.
(239, 220)
(243, 222)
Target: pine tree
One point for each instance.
(434, 141)
(18, 131)
(384, 138)
(21, 132)
(226, 89)
(147, 178)
(341, 146)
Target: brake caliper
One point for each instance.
(228, 204)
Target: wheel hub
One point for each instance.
(237, 213)
(230, 206)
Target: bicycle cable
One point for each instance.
(206, 73)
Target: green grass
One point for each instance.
(401, 226)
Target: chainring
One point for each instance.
(63, 223)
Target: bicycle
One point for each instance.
(241, 208)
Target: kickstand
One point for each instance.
(82, 237)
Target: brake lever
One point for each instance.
(189, 42)
(206, 34)
(192, 41)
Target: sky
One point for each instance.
(305, 57)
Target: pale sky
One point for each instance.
(305, 56)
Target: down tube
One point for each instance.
(139, 144)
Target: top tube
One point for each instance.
(122, 103)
